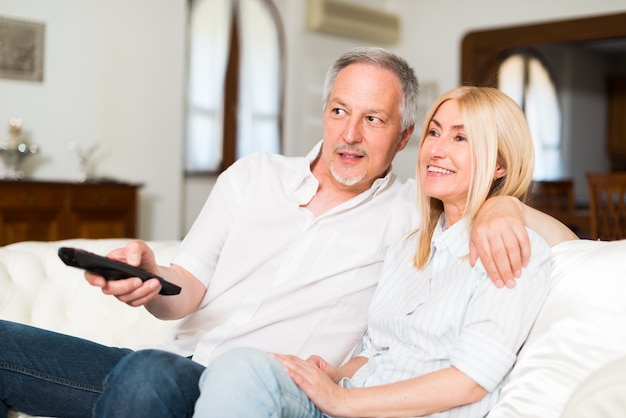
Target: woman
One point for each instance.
(440, 336)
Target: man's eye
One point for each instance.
(338, 111)
(374, 119)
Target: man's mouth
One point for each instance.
(348, 155)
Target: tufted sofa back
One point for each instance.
(36, 288)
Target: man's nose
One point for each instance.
(352, 134)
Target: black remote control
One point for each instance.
(111, 269)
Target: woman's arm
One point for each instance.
(433, 392)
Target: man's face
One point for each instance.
(362, 126)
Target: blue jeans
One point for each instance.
(245, 382)
(150, 384)
(49, 374)
(46, 373)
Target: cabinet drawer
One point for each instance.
(13, 196)
(39, 210)
(103, 197)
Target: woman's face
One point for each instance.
(445, 160)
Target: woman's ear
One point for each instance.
(500, 172)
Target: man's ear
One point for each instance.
(500, 171)
(404, 137)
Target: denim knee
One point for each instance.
(241, 365)
(245, 383)
(156, 383)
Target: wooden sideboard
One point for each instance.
(48, 211)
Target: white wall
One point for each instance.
(115, 73)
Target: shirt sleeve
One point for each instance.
(498, 320)
(200, 249)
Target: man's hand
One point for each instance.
(499, 238)
(132, 291)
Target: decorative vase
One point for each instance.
(15, 151)
(14, 156)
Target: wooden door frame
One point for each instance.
(482, 51)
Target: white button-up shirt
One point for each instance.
(277, 277)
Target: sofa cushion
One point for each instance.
(40, 290)
(580, 328)
(600, 395)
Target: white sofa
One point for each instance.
(581, 327)
(36, 288)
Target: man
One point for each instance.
(284, 257)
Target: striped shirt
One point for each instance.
(450, 314)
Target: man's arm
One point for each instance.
(498, 237)
(135, 292)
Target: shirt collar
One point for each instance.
(454, 238)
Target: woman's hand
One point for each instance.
(317, 379)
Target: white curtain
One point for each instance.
(259, 84)
(209, 30)
(529, 84)
(258, 109)
(544, 118)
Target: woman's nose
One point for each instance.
(437, 148)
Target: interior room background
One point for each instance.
(114, 75)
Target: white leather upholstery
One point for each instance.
(580, 328)
(36, 288)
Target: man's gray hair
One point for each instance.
(387, 60)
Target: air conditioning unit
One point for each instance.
(341, 18)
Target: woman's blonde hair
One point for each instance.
(497, 133)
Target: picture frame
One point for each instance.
(21, 49)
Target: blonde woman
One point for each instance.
(441, 338)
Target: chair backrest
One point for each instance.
(607, 205)
(554, 197)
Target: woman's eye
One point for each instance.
(432, 132)
(461, 138)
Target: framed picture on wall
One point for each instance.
(21, 49)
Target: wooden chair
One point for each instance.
(607, 204)
(554, 197)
